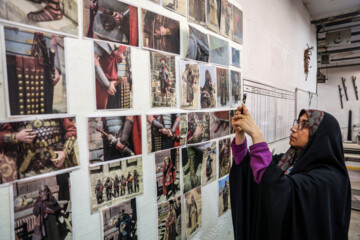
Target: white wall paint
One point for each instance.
(275, 36)
(329, 98)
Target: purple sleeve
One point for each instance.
(239, 151)
(260, 159)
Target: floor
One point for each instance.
(354, 230)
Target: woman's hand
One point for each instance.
(244, 123)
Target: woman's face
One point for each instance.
(299, 136)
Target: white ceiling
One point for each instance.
(325, 8)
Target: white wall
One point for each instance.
(329, 98)
(275, 36)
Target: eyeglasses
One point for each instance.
(301, 124)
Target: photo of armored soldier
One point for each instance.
(165, 131)
(192, 165)
(235, 57)
(169, 218)
(35, 147)
(224, 157)
(189, 75)
(55, 15)
(237, 25)
(160, 33)
(219, 51)
(198, 127)
(120, 221)
(103, 180)
(113, 76)
(198, 45)
(167, 174)
(111, 20)
(193, 210)
(196, 11)
(224, 195)
(163, 80)
(207, 86)
(235, 88)
(114, 137)
(226, 26)
(223, 88)
(213, 15)
(35, 72)
(209, 170)
(219, 124)
(178, 6)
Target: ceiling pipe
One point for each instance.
(342, 59)
(341, 28)
(339, 66)
(332, 19)
(340, 50)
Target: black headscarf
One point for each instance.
(312, 202)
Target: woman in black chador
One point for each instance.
(302, 194)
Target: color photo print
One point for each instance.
(42, 208)
(178, 6)
(207, 86)
(115, 182)
(235, 88)
(198, 45)
(198, 127)
(192, 158)
(224, 195)
(235, 57)
(226, 26)
(213, 15)
(189, 75)
(160, 33)
(193, 212)
(36, 72)
(163, 80)
(55, 15)
(219, 51)
(113, 76)
(169, 219)
(219, 124)
(120, 221)
(209, 171)
(114, 137)
(165, 131)
(167, 165)
(224, 157)
(33, 147)
(196, 11)
(238, 25)
(222, 76)
(111, 20)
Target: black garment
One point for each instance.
(312, 202)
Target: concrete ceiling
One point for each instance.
(326, 8)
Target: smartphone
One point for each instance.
(244, 101)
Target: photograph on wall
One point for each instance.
(169, 219)
(36, 81)
(235, 88)
(111, 20)
(178, 6)
(224, 157)
(235, 57)
(196, 11)
(160, 33)
(238, 25)
(193, 212)
(219, 51)
(198, 127)
(113, 76)
(198, 45)
(209, 171)
(55, 15)
(213, 15)
(224, 195)
(32, 147)
(222, 76)
(120, 221)
(167, 165)
(42, 208)
(114, 137)
(191, 165)
(165, 131)
(207, 86)
(189, 75)
(163, 80)
(226, 24)
(232, 114)
(115, 182)
(219, 124)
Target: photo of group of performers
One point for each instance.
(169, 219)
(42, 208)
(120, 221)
(115, 182)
